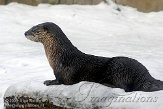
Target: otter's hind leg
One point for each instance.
(51, 82)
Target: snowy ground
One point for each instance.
(99, 30)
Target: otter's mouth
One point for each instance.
(30, 37)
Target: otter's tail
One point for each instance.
(156, 85)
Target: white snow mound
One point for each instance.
(86, 95)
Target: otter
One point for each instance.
(71, 66)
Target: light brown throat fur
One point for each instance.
(52, 51)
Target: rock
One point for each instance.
(2, 2)
(143, 5)
(84, 95)
(28, 2)
(36, 2)
(34, 95)
(97, 1)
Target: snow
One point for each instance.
(99, 30)
(86, 95)
(61, 95)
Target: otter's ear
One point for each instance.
(45, 28)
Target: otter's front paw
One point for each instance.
(51, 82)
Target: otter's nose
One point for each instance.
(26, 33)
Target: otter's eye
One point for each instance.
(37, 32)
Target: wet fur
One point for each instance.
(71, 66)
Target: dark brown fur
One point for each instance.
(71, 66)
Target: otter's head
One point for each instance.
(43, 31)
